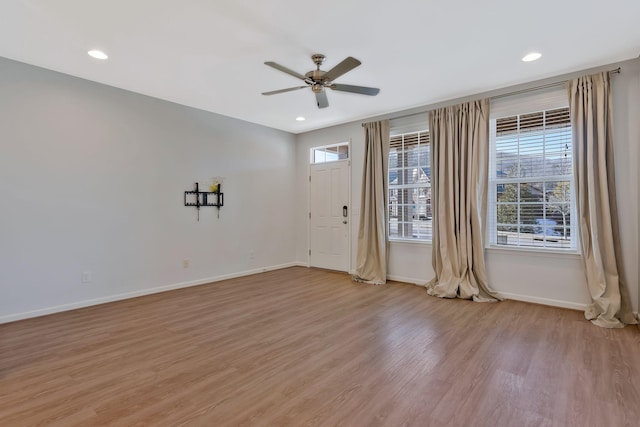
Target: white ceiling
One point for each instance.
(210, 54)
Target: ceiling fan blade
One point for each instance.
(363, 90)
(273, 92)
(321, 99)
(285, 70)
(345, 66)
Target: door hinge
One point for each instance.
(309, 178)
(309, 215)
(309, 252)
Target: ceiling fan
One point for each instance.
(318, 80)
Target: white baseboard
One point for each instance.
(505, 295)
(127, 295)
(543, 301)
(403, 279)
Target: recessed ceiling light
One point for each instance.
(300, 119)
(531, 56)
(98, 54)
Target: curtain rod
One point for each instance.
(548, 85)
(516, 92)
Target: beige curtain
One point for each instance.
(459, 168)
(373, 238)
(592, 126)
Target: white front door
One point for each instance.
(329, 235)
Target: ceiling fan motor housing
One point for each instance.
(316, 75)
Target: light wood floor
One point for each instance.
(306, 347)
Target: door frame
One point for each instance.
(349, 201)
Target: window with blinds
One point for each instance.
(409, 201)
(531, 182)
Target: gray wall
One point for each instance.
(92, 179)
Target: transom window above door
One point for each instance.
(330, 153)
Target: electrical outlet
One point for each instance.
(252, 255)
(185, 263)
(85, 277)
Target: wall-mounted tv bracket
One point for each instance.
(199, 198)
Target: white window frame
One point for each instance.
(319, 147)
(405, 126)
(541, 100)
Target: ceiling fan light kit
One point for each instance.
(319, 80)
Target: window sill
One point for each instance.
(409, 242)
(548, 253)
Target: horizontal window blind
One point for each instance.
(534, 144)
(409, 140)
(409, 124)
(540, 100)
(533, 121)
